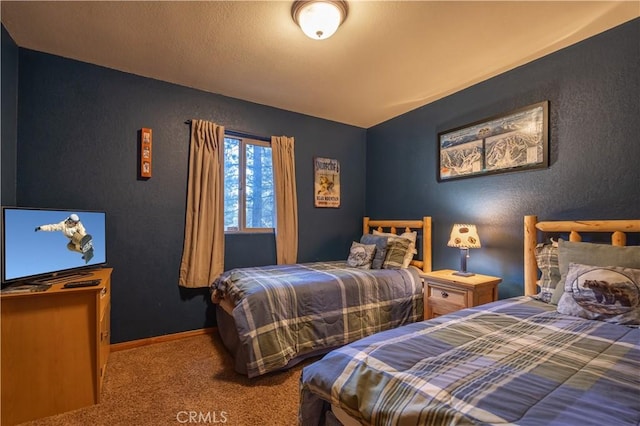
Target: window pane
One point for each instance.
(231, 183)
(259, 189)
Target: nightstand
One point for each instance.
(445, 293)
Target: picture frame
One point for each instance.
(515, 141)
(326, 187)
(145, 153)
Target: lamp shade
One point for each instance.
(319, 19)
(464, 236)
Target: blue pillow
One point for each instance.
(381, 248)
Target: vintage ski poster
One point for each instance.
(327, 182)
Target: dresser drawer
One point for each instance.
(438, 294)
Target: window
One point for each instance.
(249, 204)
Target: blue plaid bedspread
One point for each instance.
(515, 361)
(285, 311)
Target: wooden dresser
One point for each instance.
(55, 346)
(445, 292)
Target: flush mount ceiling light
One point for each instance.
(319, 19)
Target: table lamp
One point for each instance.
(464, 237)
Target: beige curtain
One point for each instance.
(284, 177)
(203, 251)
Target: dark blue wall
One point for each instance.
(77, 148)
(77, 136)
(9, 119)
(593, 89)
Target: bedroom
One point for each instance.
(592, 88)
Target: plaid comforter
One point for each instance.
(284, 311)
(514, 361)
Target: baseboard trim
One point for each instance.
(159, 339)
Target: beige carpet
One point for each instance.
(165, 383)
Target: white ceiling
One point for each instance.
(388, 57)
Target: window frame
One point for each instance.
(242, 177)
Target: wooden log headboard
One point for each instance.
(617, 228)
(406, 226)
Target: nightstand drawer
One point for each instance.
(443, 294)
(438, 310)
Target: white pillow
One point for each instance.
(604, 293)
(411, 236)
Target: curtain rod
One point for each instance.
(241, 134)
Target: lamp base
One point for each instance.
(463, 274)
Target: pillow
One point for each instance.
(361, 255)
(547, 260)
(381, 248)
(411, 236)
(592, 254)
(396, 253)
(609, 293)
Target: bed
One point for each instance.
(272, 317)
(523, 360)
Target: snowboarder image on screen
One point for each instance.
(73, 229)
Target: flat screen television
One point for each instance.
(47, 244)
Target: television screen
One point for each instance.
(41, 243)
